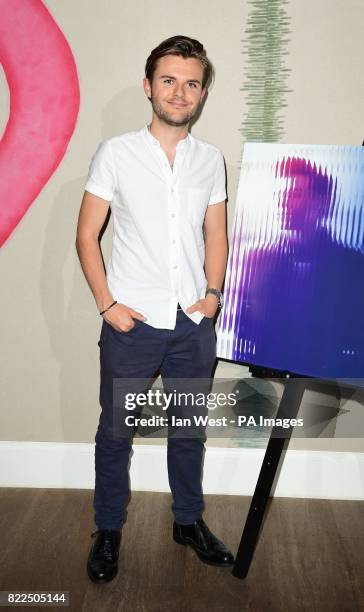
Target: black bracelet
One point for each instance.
(108, 308)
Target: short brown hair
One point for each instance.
(185, 47)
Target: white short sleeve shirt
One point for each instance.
(158, 249)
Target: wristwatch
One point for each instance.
(219, 296)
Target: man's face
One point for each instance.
(176, 89)
(296, 203)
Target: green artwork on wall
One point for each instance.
(266, 48)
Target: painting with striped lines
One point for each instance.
(294, 290)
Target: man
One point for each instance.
(167, 195)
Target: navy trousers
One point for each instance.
(187, 352)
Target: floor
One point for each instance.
(309, 556)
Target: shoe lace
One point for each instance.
(105, 544)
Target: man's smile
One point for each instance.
(177, 104)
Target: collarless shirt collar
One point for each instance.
(180, 145)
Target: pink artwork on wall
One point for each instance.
(44, 100)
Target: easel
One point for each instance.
(288, 408)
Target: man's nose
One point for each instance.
(178, 90)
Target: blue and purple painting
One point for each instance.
(294, 290)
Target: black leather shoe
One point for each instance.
(208, 548)
(102, 563)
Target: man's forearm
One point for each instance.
(89, 253)
(216, 250)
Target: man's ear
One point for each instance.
(147, 88)
(203, 94)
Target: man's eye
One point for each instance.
(167, 81)
(192, 85)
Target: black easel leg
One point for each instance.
(288, 408)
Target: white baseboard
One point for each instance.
(230, 471)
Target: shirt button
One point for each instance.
(173, 215)
(173, 242)
(175, 267)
